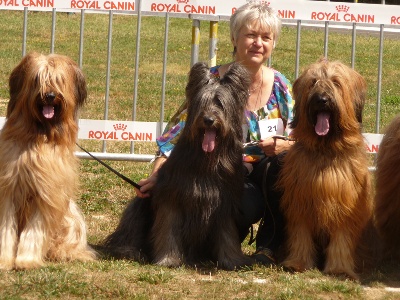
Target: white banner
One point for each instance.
(46, 5)
(131, 131)
(123, 131)
(287, 9)
(372, 141)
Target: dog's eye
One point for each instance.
(337, 84)
(218, 102)
(313, 83)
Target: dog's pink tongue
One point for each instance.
(48, 111)
(209, 140)
(322, 126)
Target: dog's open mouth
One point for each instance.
(322, 125)
(208, 144)
(48, 111)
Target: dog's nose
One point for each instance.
(208, 120)
(50, 97)
(323, 99)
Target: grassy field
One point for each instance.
(103, 196)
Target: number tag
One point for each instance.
(270, 127)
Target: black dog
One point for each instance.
(190, 217)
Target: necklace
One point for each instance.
(259, 87)
(250, 91)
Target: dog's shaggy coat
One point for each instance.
(387, 197)
(199, 187)
(39, 219)
(325, 178)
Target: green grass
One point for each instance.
(103, 195)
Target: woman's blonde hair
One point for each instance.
(255, 11)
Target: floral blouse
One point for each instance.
(278, 106)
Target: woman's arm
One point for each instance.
(273, 146)
(285, 101)
(282, 89)
(148, 183)
(166, 142)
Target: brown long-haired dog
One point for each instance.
(325, 178)
(39, 219)
(387, 197)
(190, 217)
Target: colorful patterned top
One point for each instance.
(279, 106)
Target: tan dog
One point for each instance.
(39, 219)
(387, 196)
(325, 177)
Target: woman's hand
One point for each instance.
(273, 146)
(147, 184)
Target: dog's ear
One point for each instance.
(199, 76)
(237, 79)
(360, 90)
(80, 86)
(298, 88)
(17, 79)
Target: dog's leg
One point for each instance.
(31, 244)
(227, 248)
(340, 254)
(77, 235)
(131, 237)
(166, 236)
(72, 243)
(301, 248)
(8, 234)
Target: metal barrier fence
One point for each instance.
(156, 127)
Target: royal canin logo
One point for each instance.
(119, 127)
(342, 8)
(266, 2)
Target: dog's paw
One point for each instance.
(6, 265)
(345, 273)
(26, 264)
(169, 261)
(296, 265)
(235, 263)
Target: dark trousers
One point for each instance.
(261, 201)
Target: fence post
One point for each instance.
(213, 43)
(379, 89)
(24, 30)
(326, 39)
(164, 72)
(106, 98)
(81, 31)
(298, 37)
(53, 30)
(137, 56)
(353, 46)
(195, 42)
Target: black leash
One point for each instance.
(111, 169)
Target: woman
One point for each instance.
(254, 31)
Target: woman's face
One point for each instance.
(254, 45)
